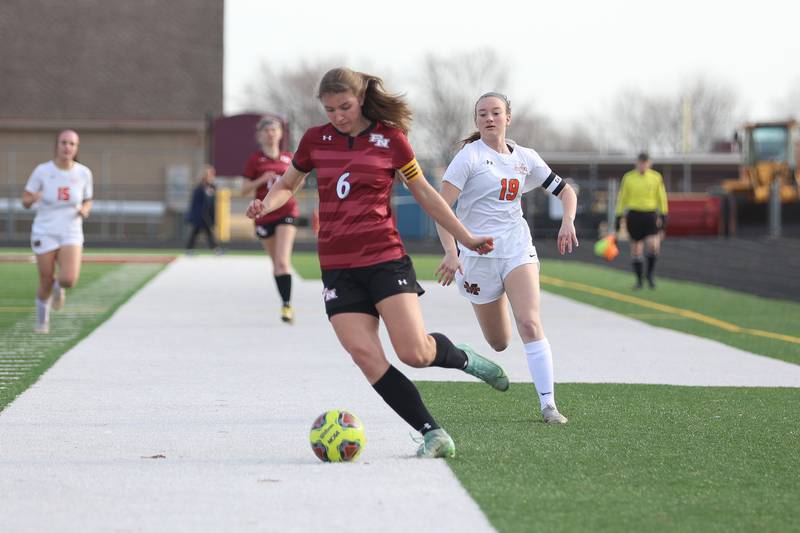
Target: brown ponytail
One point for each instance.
(474, 136)
(391, 109)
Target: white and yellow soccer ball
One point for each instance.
(337, 436)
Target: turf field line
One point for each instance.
(25, 355)
(677, 311)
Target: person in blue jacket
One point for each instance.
(201, 210)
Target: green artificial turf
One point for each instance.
(632, 458)
(24, 355)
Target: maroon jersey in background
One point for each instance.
(354, 180)
(256, 165)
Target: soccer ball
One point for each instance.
(337, 436)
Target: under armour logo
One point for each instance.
(402, 282)
(329, 294)
(327, 137)
(472, 288)
(379, 140)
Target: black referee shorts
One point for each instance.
(641, 224)
(357, 290)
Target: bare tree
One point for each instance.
(643, 122)
(537, 131)
(450, 85)
(713, 110)
(658, 123)
(290, 93)
(789, 105)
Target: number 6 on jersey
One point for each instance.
(343, 186)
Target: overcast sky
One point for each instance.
(568, 59)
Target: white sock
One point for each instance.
(56, 285)
(540, 363)
(42, 311)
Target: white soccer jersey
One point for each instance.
(63, 192)
(491, 186)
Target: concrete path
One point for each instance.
(197, 368)
(189, 410)
(595, 346)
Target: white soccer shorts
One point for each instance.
(41, 244)
(482, 281)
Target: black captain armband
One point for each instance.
(554, 184)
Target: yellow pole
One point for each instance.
(223, 215)
(687, 124)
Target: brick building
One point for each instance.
(137, 80)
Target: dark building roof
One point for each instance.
(111, 59)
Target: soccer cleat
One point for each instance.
(552, 416)
(287, 314)
(42, 328)
(436, 443)
(59, 297)
(651, 283)
(484, 369)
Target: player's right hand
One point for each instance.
(482, 245)
(447, 269)
(254, 209)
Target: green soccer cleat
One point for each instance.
(436, 443)
(551, 416)
(484, 369)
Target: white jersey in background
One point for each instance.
(63, 192)
(491, 186)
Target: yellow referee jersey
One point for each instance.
(642, 192)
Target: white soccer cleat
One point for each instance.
(59, 297)
(42, 328)
(551, 416)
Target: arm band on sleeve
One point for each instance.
(411, 170)
(553, 184)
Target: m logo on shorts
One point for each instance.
(472, 288)
(329, 294)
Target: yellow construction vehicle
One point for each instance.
(770, 152)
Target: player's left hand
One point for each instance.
(254, 209)
(567, 237)
(447, 269)
(83, 212)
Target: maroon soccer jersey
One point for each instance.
(354, 180)
(256, 165)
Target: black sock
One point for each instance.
(447, 355)
(637, 268)
(284, 283)
(403, 397)
(651, 265)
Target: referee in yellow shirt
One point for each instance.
(642, 201)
